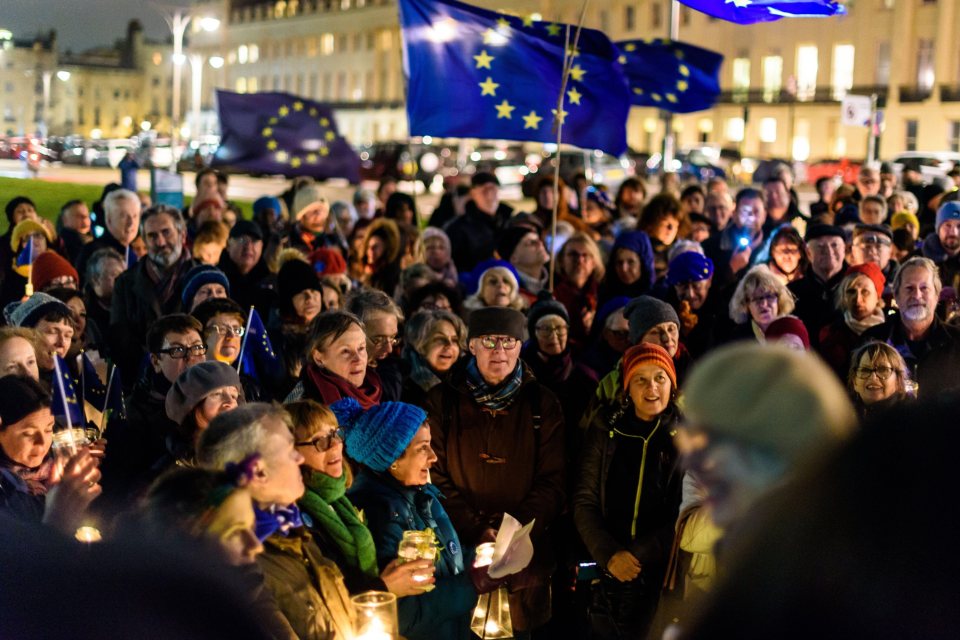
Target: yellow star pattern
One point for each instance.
(638, 91)
(324, 151)
(630, 47)
(504, 110)
(324, 122)
(488, 87)
(528, 21)
(577, 73)
(313, 112)
(284, 111)
(622, 59)
(483, 60)
(281, 156)
(273, 120)
(678, 53)
(573, 52)
(560, 117)
(330, 136)
(295, 162)
(267, 132)
(553, 29)
(682, 85)
(656, 97)
(574, 96)
(503, 24)
(671, 97)
(531, 120)
(311, 158)
(684, 71)
(272, 144)
(298, 106)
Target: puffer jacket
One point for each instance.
(495, 462)
(305, 588)
(391, 509)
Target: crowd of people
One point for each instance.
(303, 388)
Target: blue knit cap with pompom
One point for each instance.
(377, 437)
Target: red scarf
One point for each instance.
(330, 387)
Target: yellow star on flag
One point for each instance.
(483, 60)
(330, 135)
(281, 156)
(503, 24)
(678, 53)
(531, 120)
(272, 144)
(267, 132)
(574, 96)
(313, 112)
(622, 59)
(273, 120)
(560, 117)
(504, 110)
(684, 71)
(656, 97)
(630, 47)
(671, 97)
(573, 52)
(528, 21)
(298, 106)
(577, 73)
(682, 85)
(311, 157)
(283, 111)
(638, 91)
(488, 87)
(324, 151)
(295, 162)
(553, 29)
(324, 122)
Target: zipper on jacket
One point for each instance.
(643, 464)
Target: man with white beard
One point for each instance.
(930, 347)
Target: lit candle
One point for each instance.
(88, 535)
(484, 555)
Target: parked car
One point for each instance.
(932, 164)
(845, 169)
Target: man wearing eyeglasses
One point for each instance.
(815, 291)
(175, 344)
(499, 439)
(874, 243)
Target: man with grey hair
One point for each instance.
(305, 589)
(103, 269)
(930, 347)
(122, 217)
(149, 289)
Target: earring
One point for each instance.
(394, 466)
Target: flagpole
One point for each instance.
(28, 290)
(83, 385)
(63, 395)
(106, 409)
(246, 335)
(567, 63)
(669, 143)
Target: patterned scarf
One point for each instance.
(331, 387)
(166, 281)
(332, 511)
(494, 398)
(36, 480)
(420, 371)
(276, 518)
(859, 326)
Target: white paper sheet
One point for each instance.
(513, 549)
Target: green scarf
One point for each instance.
(325, 501)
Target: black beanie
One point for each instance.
(294, 276)
(545, 306)
(510, 238)
(19, 397)
(496, 321)
(14, 203)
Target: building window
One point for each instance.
(741, 79)
(910, 143)
(326, 44)
(254, 52)
(312, 47)
(341, 93)
(801, 140)
(656, 17)
(883, 63)
(768, 130)
(772, 78)
(925, 64)
(954, 135)
(243, 54)
(842, 80)
(806, 72)
(735, 129)
(241, 85)
(629, 18)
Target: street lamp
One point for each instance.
(178, 19)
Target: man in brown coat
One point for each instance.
(498, 436)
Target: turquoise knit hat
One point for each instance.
(377, 437)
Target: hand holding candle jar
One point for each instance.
(419, 545)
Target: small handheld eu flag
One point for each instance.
(751, 11)
(673, 76)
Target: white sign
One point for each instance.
(855, 111)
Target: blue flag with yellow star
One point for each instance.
(282, 134)
(65, 405)
(750, 11)
(673, 76)
(257, 354)
(474, 73)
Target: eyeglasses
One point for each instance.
(769, 298)
(179, 352)
(323, 443)
(878, 240)
(882, 372)
(490, 342)
(383, 341)
(546, 331)
(222, 330)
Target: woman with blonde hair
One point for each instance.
(579, 272)
(878, 378)
(760, 298)
(497, 286)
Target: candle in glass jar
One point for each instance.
(484, 555)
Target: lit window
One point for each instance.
(925, 64)
(741, 77)
(842, 80)
(254, 53)
(241, 85)
(243, 54)
(735, 129)
(807, 67)
(772, 78)
(768, 130)
(326, 44)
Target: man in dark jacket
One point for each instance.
(122, 216)
(816, 289)
(152, 288)
(930, 347)
(943, 247)
(732, 249)
(473, 235)
(251, 283)
(499, 439)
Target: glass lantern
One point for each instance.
(376, 616)
(491, 617)
(418, 545)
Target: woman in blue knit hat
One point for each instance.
(391, 442)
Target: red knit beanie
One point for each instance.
(49, 266)
(645, 353)
(872, 271)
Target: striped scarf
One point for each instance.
(494, 398)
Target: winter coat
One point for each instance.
(933, 362)
(16, 500)
(390, 509)
(815, 301)
(495, 462)
(255, 289)
(473, 236)
(306, 588)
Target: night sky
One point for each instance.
(82, 24)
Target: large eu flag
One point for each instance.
(279, 133)
(673, 76)
(750, 11)
(475, 73)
